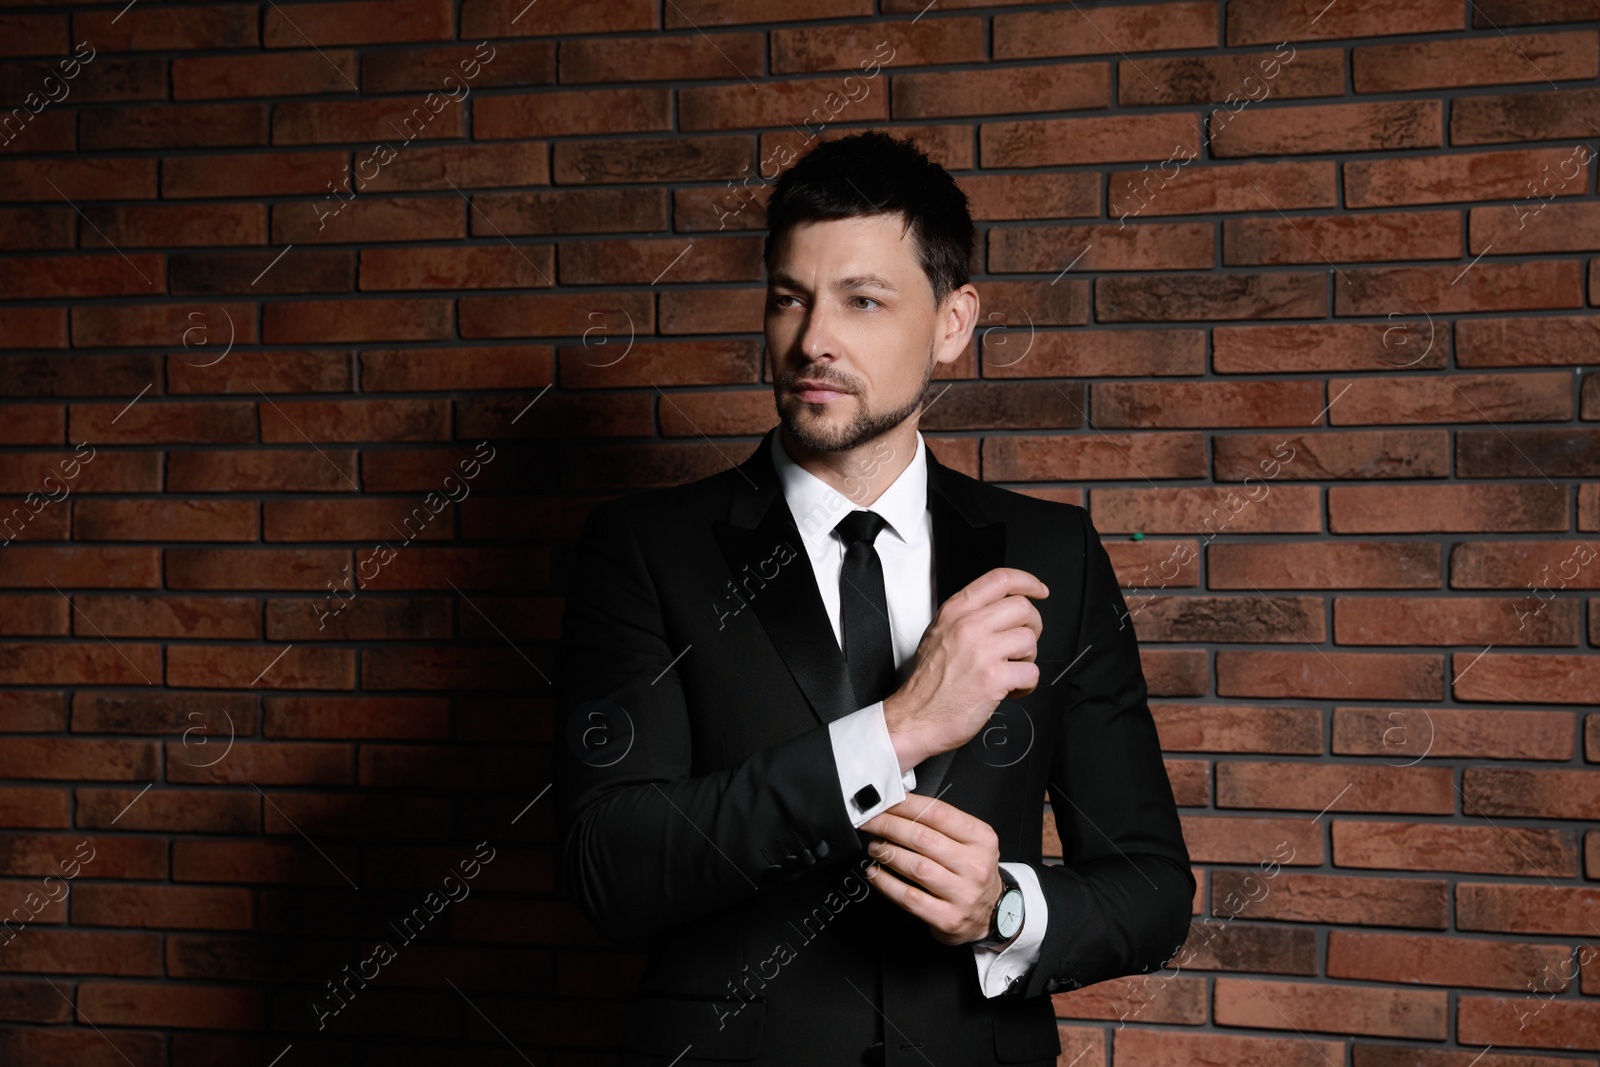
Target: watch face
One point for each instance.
(1008, 916)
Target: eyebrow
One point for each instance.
(853, 282)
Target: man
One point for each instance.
(757, 666)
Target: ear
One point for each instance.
(957, 318)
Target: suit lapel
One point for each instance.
(788, 604)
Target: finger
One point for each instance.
(949, 820)
(906, 896)
(917, 871)
(1000, 582)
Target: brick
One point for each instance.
(1203, 618)
(1542, 341)
(1521, 12)
(1514, 850)
(1540, 794)
(671, 260)
(81, 376)
(1561, 1024)
(322, 321)
(809, 49)
(1092, 353)
(1263, 21)
(1341, 238)
(573, 112)
(1363, 454)
(79, 179)
(105, 79)
(1446, 508)
(273, 75)
(805, 101)
(1443, 961)
(559, 211)
(254, 273)
(1238, 839)
(1148, 246)
(1403, 342)
(1031, 196)
(1519, 453)
(36, 227)
(271, 372)
(1243, 728)
(1407, 734)
(619, 315)
(1456, 398)
(1538, 116)
(1346, 675)
(252, 174)
(1532, 226)
(170, 1004)
(77, 758)
(1170, 1048)
(1059, 142)
(1538, 679)
(1207, 511)
(367, 618)
(475, 267)
(163, 907)
(255, 471)
(1217, 79)
(28, 327)
(1046, 88)
(231, 666)
(187, 126)
(356, 717)
(288, 568)
(1493, 60)
(355, 420)
(1442, 179)
(1545, 566)
(32, 424)
(1168, 999)
(479, 66)
(159, 30)
(159, 324)
(429, 369)
(37, 567)
(1454, 621)
(1525, 909)
(667, 362)
(491, 18)
(1177, 560)
(395, 121)
(467, 167)
(1140, 28)
(370, 219)
(1205, 404)
(1308, 1005)
(1334, 787)
(665, 159)
(363, 22)
(1095, 456)
(173, 616)
(35, 35)
(140, 274)
(1188, 297)
(1324, 128)
(156, 421)
(1482, 287)
(947, 144)
(166, 225)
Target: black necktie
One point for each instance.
(864, 608)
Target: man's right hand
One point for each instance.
(978, 651)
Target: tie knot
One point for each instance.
(860, 526)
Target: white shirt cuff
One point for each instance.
(869, 768)
(998, 970)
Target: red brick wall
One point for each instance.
(1303, 293)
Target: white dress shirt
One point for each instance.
(861, 745)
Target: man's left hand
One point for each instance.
(952, 858)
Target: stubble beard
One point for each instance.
(823, 435)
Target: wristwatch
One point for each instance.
(1006, 921)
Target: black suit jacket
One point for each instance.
(699, 801)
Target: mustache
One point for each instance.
(790, 381)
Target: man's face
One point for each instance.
(850, 308)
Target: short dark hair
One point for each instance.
(872, 173)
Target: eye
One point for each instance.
(775, 301)
(868, 299)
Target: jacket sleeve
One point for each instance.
(1120, 902)
(645, 845)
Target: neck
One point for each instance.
(860, 474)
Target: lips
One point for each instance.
(814, 392)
